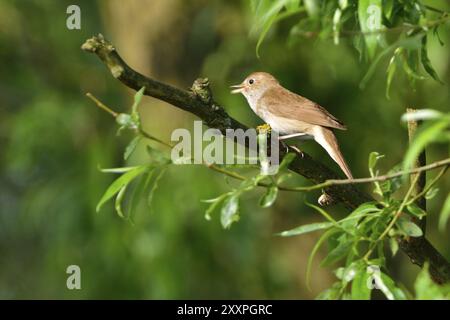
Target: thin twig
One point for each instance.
(101, 105)
(394, 219)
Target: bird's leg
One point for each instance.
(292, 136)
(296, 149)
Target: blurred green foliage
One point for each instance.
(54, 140)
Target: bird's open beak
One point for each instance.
(237, 88)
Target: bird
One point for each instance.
(292, 115)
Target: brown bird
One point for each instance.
(292, 115)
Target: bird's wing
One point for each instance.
(292, 106)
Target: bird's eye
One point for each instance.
(251, 81)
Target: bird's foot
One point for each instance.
(288, 148)
(264, 128)
(297, 150)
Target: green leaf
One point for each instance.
(336, 25)
(137, 99)
(269, 197)
(351, 221)
(393, 244)
(230, 211)
(332, 293)
(410, 43)
(427, 289)
(118, 170)
(391, 71)
(421, 114)
(214, 204)
(408, 227)
(431, 193)
(445, 214)
(123, 180)
(360, 289)
(388, 287)
(370, 21)
(424, 136)
(131, 147)
(138, 191)
(154, 186)
(314, 251)
(426, 61)
(157, 156)
(322, 212)
(306, 228)
(287, 160)
(339, 252)
(373, 159)
(118, 202)
(416, 211)
(388, 6)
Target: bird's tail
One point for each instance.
(326, 138)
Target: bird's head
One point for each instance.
(255, 84)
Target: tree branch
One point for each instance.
(199, 101)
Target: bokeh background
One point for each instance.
(53, 141)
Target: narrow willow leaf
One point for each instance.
(332, 293)
(158, 156)
(388, 6)
(408, 227)
(360, 289)
(393, 245)
(118, 202)
(118, 170)
(431, 193)
(154, 186)
(137, 99)
(322, 212)
(391, 71)
(287, 160)
(336, 25)
(314, 251)
(410, 43)
(373, 159)
(416, 211)
(274, 15)
(131, 147)
(421, 114)
(269, 197)
(123, 180)
(350, 222)
(424, 136)
(388, 287)
(214, 204)
(306, 229)
(263, 34)
(426, 63)
(445, 214)
(138, 191)
(338, 253)
(230, 211)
